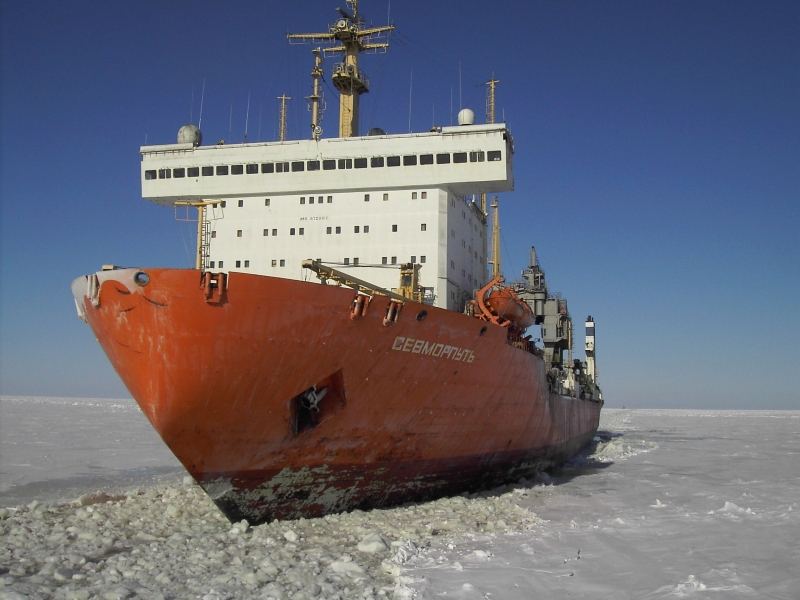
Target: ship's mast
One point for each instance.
(489, 119)
(351, 82)
(282, 132)
(316, 98)
(495, 260)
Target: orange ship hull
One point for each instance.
(432, 404)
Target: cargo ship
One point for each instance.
(347, 339)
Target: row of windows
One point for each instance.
(409, 160)
(385, 260)
(328, 230)
(320, 200)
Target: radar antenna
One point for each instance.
(354, 38)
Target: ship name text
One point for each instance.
(413, 346)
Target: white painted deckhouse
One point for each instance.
(361, 204)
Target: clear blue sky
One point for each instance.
(657, 164)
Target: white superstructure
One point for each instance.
(362, 204)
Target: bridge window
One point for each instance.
(328, 165)
(222, 170)
(193, 172)
(208, 171)
(313, 165)
(178, 173)
(251, 169)
(442, 159)
(267, 168)
(150, 174)
(164, 174)
(476, 156)
(345, 163)
(298, 165)
(376, 161)
(459, 157)
(282, 167)
(237, 169)
(360, 163)
(392, 161)
(410, 161)
(494, 155)
(426, 159)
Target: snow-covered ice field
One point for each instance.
(666, 504)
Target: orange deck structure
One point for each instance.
(286, 398)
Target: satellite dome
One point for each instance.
(466, 117)
(376, 131)
(190, 134)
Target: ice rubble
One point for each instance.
(171, 541)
